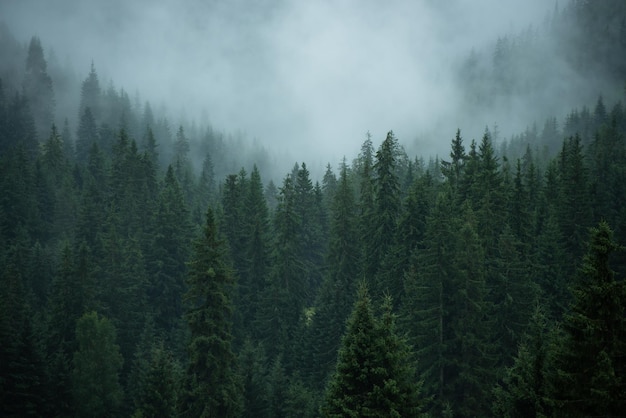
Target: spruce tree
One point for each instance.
(425, 312)
(590, 370)
(159, 395)
(212, 387)
(96, 365)
(386, 212)
(38, 88)
(374, 377)
(335, 297)
(523, 392)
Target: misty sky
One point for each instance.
(309, 76)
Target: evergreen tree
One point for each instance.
(574, 212)
(159, 395)
(471, 358)
(374, 377)
(426, 312)
(71, 296)
(38, 88)
(284, 299)
(90, 95)
(166, 260)
(17, 194)
(335, 297)
(310, 230)
(513, 295)
(86, 136)
(387, 209)
(22, 370)
(453, 170)
(233, 224)
(254, 375)
(212, 388)
(524, 389)
(256, 251)
(409, 235)
(591, 373)
(365, 199)
(21, 131)
(96, 366)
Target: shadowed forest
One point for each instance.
(151, 268)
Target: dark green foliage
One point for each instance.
(96, 367)
(409, 235)
(386, 209)
(21, 129)
(524, 390)
(334, 299)
(573, 206)
(426, 311)
(453, 170)
(159, 395)
(513, 295)
(464, 247)
(472, 357)
(590, 371)
(22, 371)
(255, 250)
(374, 376)
(254, 377)
(169, 250)
(212, 386)
(287, 290)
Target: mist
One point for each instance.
(303, 79)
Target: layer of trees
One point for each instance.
(133, 283)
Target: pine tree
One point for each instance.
(212, 387)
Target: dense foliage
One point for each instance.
(136, 282)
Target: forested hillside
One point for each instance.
(137, 281)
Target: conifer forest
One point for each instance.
(157, 266)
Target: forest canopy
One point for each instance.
(151, 268)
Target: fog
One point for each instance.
(304, 78)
